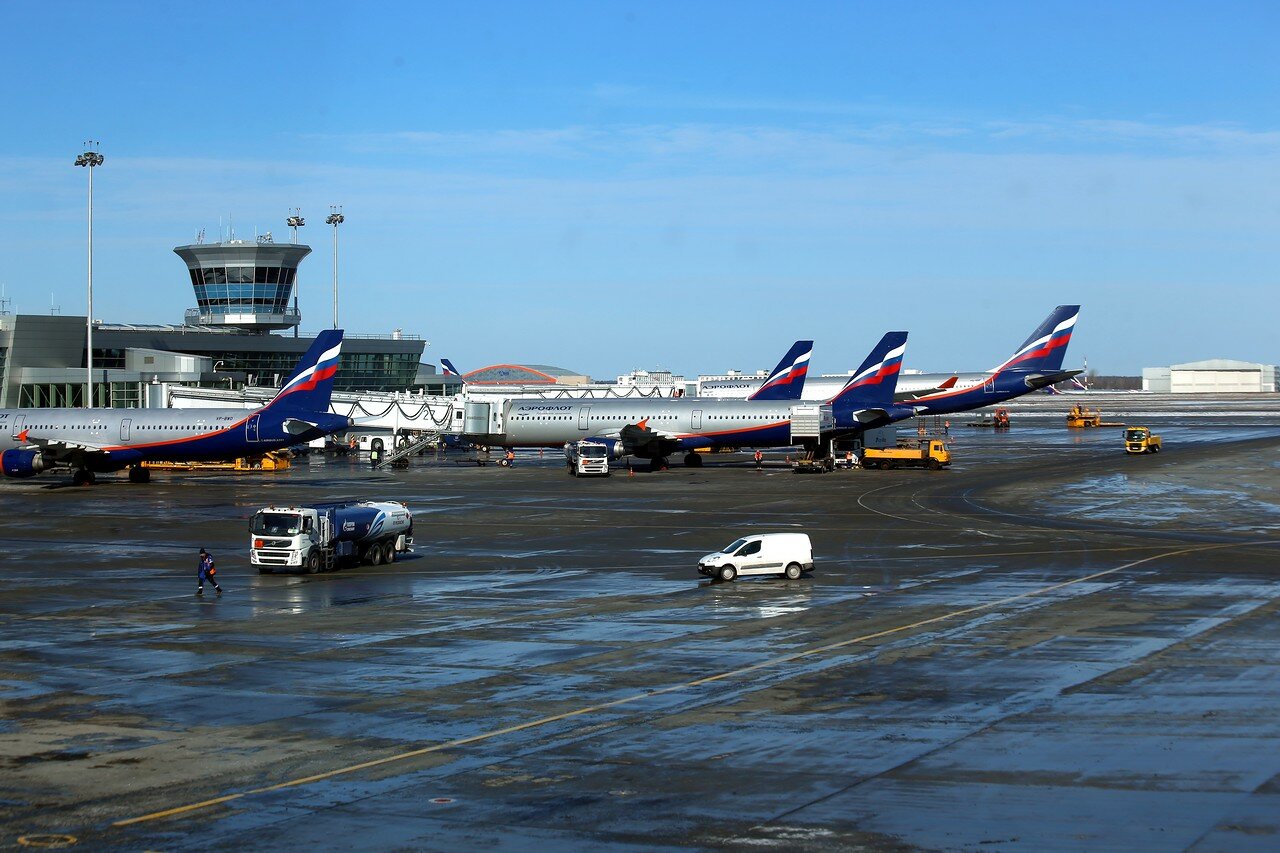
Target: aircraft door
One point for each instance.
(696, 424)
(125, 426)
(989, 387)
(251, 428)
(583, 416)
(19, 423)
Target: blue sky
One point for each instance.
(605, 186)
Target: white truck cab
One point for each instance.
(587, 459)
(788, 554)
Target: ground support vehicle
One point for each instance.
(1140, 440)
(787, 554)
(587, 458)
(323, 536)
(1082, 418)
(272, 460)
(814, 463)
(910, 453)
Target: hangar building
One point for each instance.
(1214, 376)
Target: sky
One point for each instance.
(686, 186)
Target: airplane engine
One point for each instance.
(616, 448)
(22, 463)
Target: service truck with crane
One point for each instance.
(322, 537)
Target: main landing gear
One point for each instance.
(138, 474)
(659, 464)
(83, 477)
(693, 460)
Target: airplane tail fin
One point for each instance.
(310, 387)
(874, 383)
(1047, 346)
(786, 382)
(449, 370)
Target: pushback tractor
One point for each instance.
(323, 537)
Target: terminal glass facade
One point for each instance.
(70, 395)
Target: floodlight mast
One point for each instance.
(335, 218)
(295, 222)
(90, 159)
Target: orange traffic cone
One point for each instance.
(630, 472)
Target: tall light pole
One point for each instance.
(92, 159)
(335, 218)
(295, 222)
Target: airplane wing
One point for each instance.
(908, 396)
(640, 426)
(643, 440)
(72, 453)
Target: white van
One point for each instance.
(763, 554)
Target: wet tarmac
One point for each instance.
(1053, 645)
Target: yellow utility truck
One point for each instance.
(925, 453)
(1138, 439)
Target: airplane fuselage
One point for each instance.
(689, 423)
(819, 388)
(122, 437)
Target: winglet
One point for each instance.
(949, 384)
(786, 382)
(22, 436)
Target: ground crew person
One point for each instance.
(510, 457)
(759, 459)
(946, 427)
(206, 571)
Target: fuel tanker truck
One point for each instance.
(326, 536)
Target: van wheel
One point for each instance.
(313, 561)
(792, 571)
(727, 573)
(375, 555)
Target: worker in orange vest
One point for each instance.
(759, 460)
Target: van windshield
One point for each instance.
(732, 549)
(275, 524)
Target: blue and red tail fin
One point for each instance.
(786, 382)
(1047, 346)
(873, 384)
(447, 368)
(310, 387)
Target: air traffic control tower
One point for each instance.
(242, 284)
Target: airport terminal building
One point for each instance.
(245, 297)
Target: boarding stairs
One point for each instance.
(419, 443)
